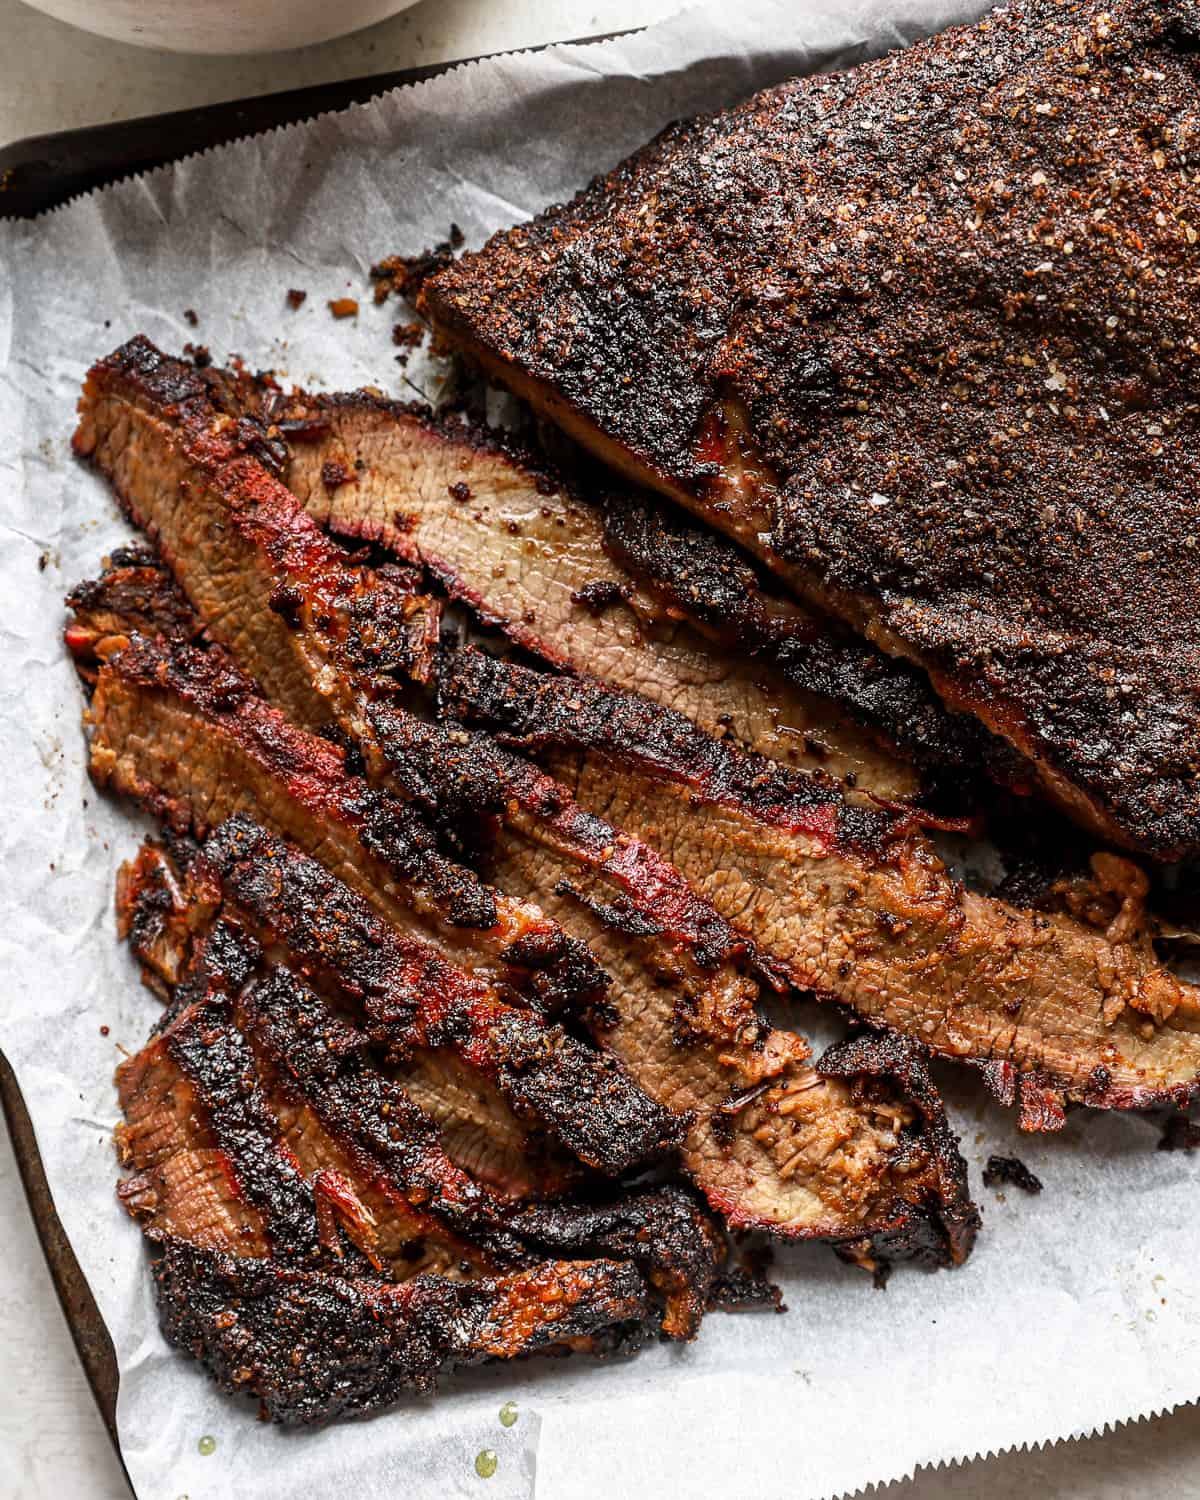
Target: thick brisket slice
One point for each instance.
(921, 335)
(312, 1345)
(505, 533)
(857, 907)
(241, 549)
(331, 1063)
(774, 1145)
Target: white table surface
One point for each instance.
(53, 1445)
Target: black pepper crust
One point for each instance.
(313, 1345)
(941, 311)
(414, 998)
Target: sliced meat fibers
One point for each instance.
(867, 1160)
(287, 1097)
(521, 547)
(773, 1144)
(505, 533)
(856, 905)
(922, 335)
(180, 731)
(414, 1000)
(833, 1160)
(620, 588)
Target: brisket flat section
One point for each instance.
(503, 531)
(856, 905)
(922, 336)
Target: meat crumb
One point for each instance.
(344, 307)
(199, 355)
(296, 297)
(104, 1031)
(1010, 1169)
(407, 335)
(599, 596)
(189, 314)
(404, 275)
(460, 491)
(1180, 1134)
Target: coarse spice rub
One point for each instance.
(922, 335)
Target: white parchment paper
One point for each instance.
(1079, 1307)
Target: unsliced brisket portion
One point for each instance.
(774, 1144)
(921, 335)
(504, 532)
(856, 906)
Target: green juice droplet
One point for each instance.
(485, 1463)
(207, 1445)
(508, 1414)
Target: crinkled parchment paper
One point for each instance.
(1079, 1307)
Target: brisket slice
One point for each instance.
(856, 905)
(507, 534)
(194, 480)
(921, 335)
(179, 732)
(253, 1065)
(866, 1161)
(314, 1345)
